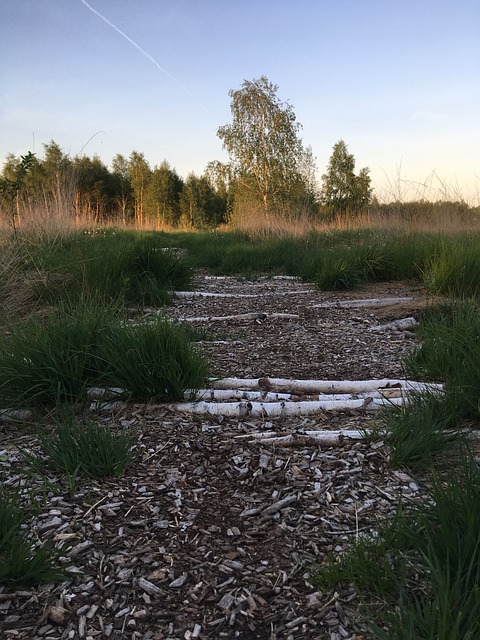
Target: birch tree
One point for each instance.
(263, 141)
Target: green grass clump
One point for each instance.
(445, 531)
(152, 360)
(450, 351)
(56, 359)
(422, 433)
(136, 268)
(21, 564)
(374, 563)
(81, 447)
(88, 448)
(420, 577)
(453, 270)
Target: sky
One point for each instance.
(397, 80)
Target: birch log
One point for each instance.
(224, 395)
(284, 385)
(403, 324)
(302, 438)
(371, 302)
(257, 315)
(211, 294)
(277, 409)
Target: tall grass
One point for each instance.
(450, 351)
(454, 269)
(56, 359)
(114, 265)
(419, 576)
(445, 531)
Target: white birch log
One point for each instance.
(327, 438)
(224, 395)
(260, 315)
(323, 386)
(403, 324)
(105, 393)
(371, 302)
(211, 294)
(22, 415)
(208, 294)
(277, 409)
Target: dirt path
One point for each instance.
(210, 534)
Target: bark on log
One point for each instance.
(403, 324)
(371, 302)
(284, 385)
(302, 438)
(22, 415)
(260, 316)
(211, 294)
(224, 395)
(277, 409)
(105, 393)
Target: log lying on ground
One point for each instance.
(277, 409)
(210, 294)
(403, 324)
(353, 304)
(224, 395)
(259, 316)
(106, 393)
(20, 415)
(284, 385)
(302, 438)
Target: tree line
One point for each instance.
(269, 171)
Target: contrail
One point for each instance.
(139, 48)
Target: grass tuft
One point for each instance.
(54, 360)
(21, 563)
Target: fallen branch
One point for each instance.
(372, 302)
(404, 324)
(302, 438)
(211, 294)
(259, 316)
(277, 409)
(308, 387)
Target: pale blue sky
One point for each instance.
(398, 80)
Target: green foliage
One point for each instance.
(82, 448)
(454, 269)
(423, 566)
(153, 360)
(348, 269)
(11, 187)
(21, 564)
(43, 362)
(267, 156)
(422, 433)
(162, 195)
(343, 191)
(112, 265)
(375, 563)
(200, 206)
(445, 531)
(450, 351)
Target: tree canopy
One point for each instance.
(342, 190)
(266, 153)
